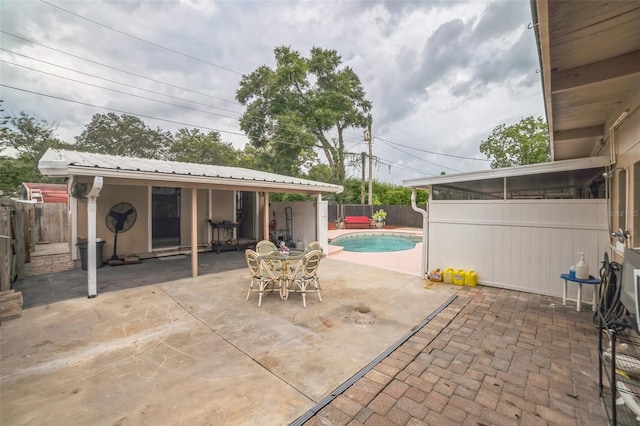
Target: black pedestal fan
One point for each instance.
(120, 218)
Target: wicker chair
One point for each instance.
(261, 274)
(314, 245)
(265, 247)
(306, 274)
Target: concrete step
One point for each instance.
(335, 250)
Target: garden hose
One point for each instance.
(610, 308)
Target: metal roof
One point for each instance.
(47, 192)
(65, 163)
(530, 171)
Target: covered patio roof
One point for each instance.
(171, 173)
(114, 170)
(590, 63)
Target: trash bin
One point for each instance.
(82, 245)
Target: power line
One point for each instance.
(426, 161)
(146, 116)
(248, 119)
(118, 91)
(432, 152)
(117, 82)
(400, 158)
(120, 111)
(422, 170)
(117, 69)
(141, 39)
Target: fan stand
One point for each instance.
(115, 247)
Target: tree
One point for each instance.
(26, 139)
(526, 142)
(125, 135)
(29, 137)
(296, 106)
(14, 172)
(193, 146)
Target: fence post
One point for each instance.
(5, 248)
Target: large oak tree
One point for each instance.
(301, 104)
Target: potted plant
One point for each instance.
(378, 218)
(339, 223)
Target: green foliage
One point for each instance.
(319, 173)
(383, 193)
(26, 138)
(379, 215)
(14, 172)
(125, 135)
(526, 142)
(289, 197)
(30, 137)
(193, 146)
(290, 109)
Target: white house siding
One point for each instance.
(518, 244)
(628, 157)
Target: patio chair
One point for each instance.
(306, 274)
(261, 274)
(314, 245)
(265, 247)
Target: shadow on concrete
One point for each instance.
(51, 288)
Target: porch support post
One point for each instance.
(266, 216)
(194, 232)
(92, 273)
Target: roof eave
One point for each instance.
(530, 169)
(202, 180)
(540, 16)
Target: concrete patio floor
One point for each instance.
(158, 347)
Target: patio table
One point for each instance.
(283, 259)
(591, 280)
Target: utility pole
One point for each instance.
(368, 136)
(362, 184)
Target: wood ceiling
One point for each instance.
(590, 55)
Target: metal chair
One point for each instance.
(306, 274)
(261, 274)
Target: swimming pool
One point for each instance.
(376, 243)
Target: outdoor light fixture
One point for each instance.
(610, 173)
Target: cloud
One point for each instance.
(439, 73)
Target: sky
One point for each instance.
(441, 74)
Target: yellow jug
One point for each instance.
(471, 278)
(448, 276)
(458, 277)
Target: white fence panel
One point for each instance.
(519, 244)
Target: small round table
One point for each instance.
(591, 280)
(283, 260)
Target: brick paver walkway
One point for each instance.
(492, 357)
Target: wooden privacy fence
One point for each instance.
(51, 223)
(15, 249)
(397, 215)
(16, 240)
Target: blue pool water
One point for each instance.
(376, 243)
